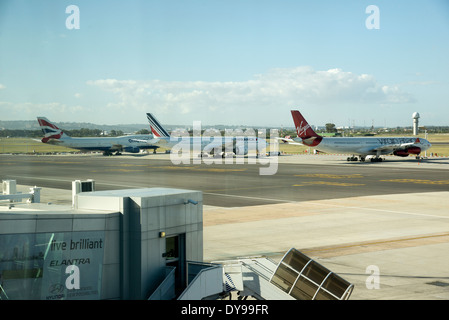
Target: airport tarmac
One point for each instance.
(399, 228)
(405, 237)
(296, 178)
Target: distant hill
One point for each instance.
(33, 125)
(126, 128)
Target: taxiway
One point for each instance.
(297, 178)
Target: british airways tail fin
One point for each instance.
(156, 128)
(304, 130)
(50, 130)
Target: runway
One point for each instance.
(233, 185)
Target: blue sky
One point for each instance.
(225, 62)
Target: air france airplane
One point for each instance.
(54, 135)
(363, 146)
(218, 145)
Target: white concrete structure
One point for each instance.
(122, 242)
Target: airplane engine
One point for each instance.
(414, 150)
(241, 150)
(407, 152)
(401, 153)
(132, 149)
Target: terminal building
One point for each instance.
(135, 244)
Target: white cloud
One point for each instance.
(28, 110)
(215, 101)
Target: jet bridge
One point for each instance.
(306, 279)
(295, 277)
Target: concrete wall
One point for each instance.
(146, 213)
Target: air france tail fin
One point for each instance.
(304, 130)
(50, 130)
(156, 128)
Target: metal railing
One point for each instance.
(166, 290)
(10, 194)
(208, 281)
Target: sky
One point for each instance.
(225, 62)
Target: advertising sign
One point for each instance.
(51, 266)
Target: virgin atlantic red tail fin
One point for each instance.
(304, 130)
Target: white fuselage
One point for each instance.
(367, 145)
(122, 143)
(214, 144)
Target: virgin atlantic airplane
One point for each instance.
(357, 146)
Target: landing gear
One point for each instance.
(363, 158)
(355, 158)
(109, 153)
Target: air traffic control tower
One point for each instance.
(110, 245)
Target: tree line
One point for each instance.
(83, 132)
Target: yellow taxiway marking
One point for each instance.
(417, 181)
(330, 176)
(56, 162)
(328, 183)
(197, 168)
(170, 168)
(220, 170)
(243, 188)
(386, 244)
(129, 165)
(118, 170)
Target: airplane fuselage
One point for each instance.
(358, 146)
(121, 143)
(207, 144)
(368, 145)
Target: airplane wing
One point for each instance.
(391, 147)
(397, 146)
(53, 141)
(288, 140)
(138, 140)
(150, 142)
(49, 141)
